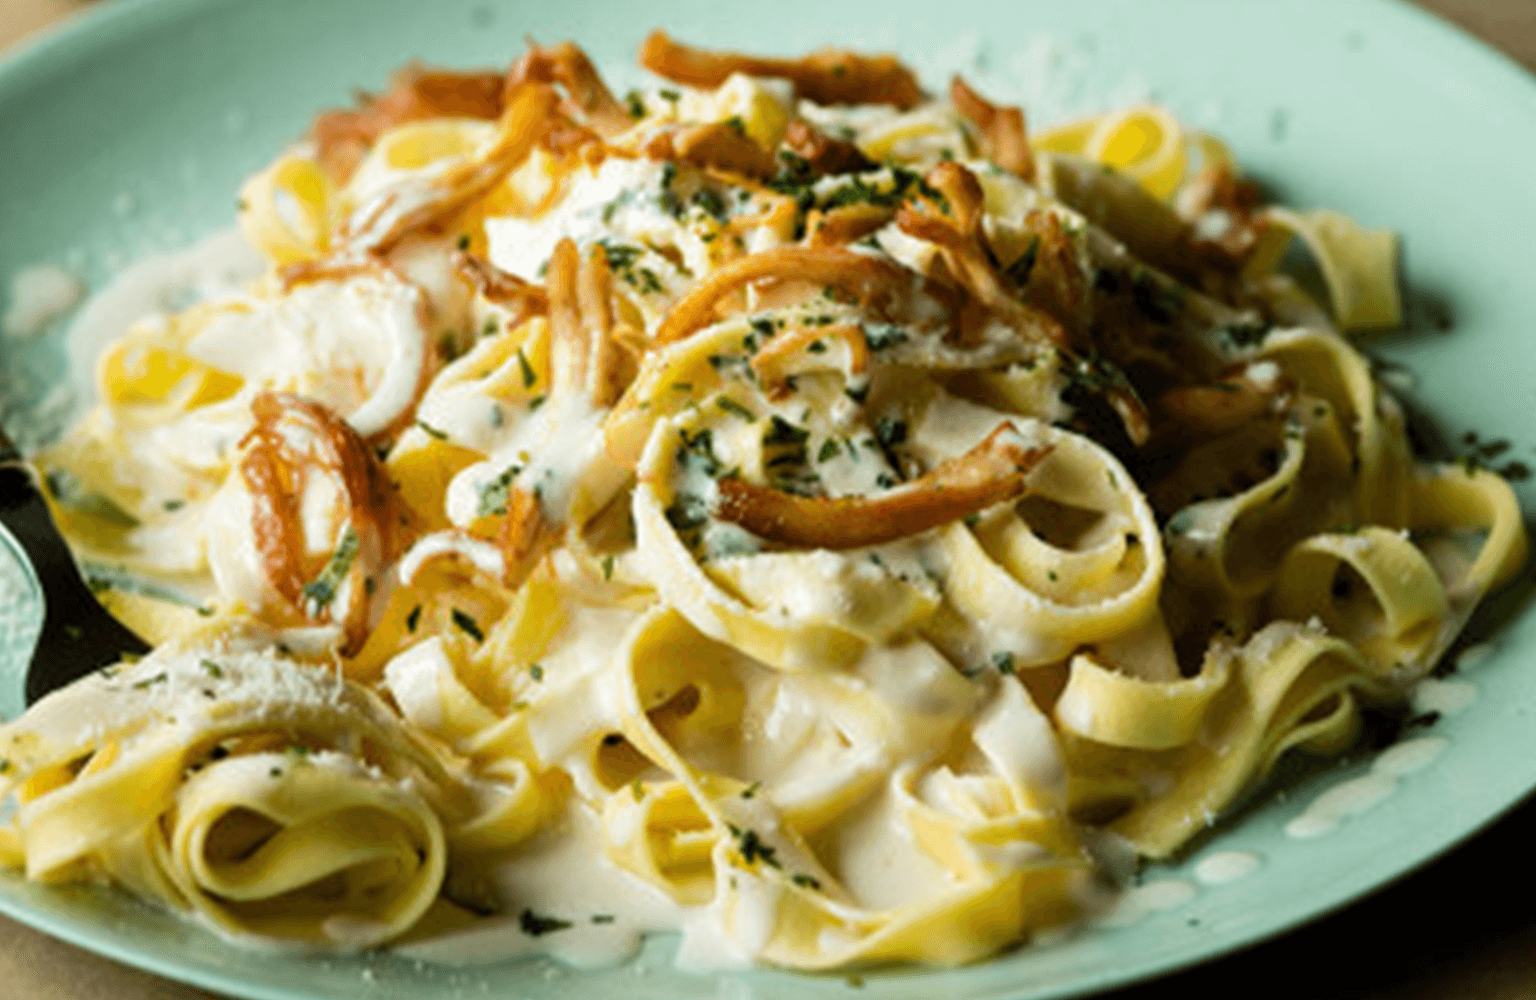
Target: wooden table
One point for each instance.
(1460, 928)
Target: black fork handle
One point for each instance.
(78, 636)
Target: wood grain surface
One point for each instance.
(1459, 928)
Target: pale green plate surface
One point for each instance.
(131, 131)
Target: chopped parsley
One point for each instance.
(890, 431)
(322, 590)
(529, 375)
(496, 494)
(782, 432)
(734, 408)
(149, 682)
(212, 669)
(751, 847)
(534, 925)
(697, 453)
(880, 336)
(440, 435)
(710, 201)
(468, 625)
(1003, 661)
(413, 619)
(1247, 333)
(687, 512)
(668, 198)
(828, 451)
(805, 881)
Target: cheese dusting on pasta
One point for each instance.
(781, 505)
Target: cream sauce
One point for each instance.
(562, 875)
(1445, 697)
(1141, 902)
(39, 295)
(1226, 866)
(1357, 795)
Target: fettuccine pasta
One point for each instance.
(780, 505)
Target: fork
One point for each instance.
(78, 634)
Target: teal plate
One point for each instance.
(130, 130)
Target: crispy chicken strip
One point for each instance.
(825, 154)
(589, 99)
(1001, 130)
(846, 223)
(521, 298)
(959, 236)
(529, 115)
(1224, 405)
(990, 473)
(716, 145)
(292, 439)
(878, 284)
(826, 76)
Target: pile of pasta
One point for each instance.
(769, 466)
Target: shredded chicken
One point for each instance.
(846, 223)
(826, 76)
(990, 473)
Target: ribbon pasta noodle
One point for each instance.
(778, 505)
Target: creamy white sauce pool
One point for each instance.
(563, 875)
